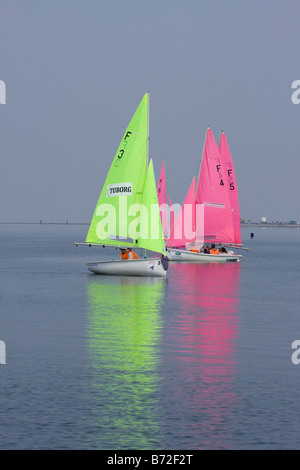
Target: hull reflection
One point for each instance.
(123, 337)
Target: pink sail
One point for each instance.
(212, 192)
(162, 201)
(172, 217)
(183, 231)
(232, 186)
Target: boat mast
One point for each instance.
(148, 132)
(208, 127)
(148, 145)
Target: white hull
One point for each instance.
(184, 255)
(151, 267)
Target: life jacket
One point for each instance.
(134, 255)
(214, 252)
(130, 255)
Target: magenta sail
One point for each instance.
(172, 217)
(184, 229)
(232, 187)
(209, 215)
(212, 193)
(162, 201)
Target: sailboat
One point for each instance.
(127, 212)
(209, 211)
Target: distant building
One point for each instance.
(264, 220)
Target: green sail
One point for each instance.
(151, 233)
(127, 212)
(124, 184)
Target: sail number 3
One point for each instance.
(120, 153)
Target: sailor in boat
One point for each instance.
(127, 253)
(193, 247)
(213, 250)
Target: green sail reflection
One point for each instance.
(124, 339)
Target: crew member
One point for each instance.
(127, 253)
(213, 250)
(132, 254)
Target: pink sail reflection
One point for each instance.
(208, 328)
(209, 297)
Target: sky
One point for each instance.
(76, 70)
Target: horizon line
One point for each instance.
(45, 223)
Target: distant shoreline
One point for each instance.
(254, 224)
(44, 223)
(258, 224)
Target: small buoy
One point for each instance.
(252, 235)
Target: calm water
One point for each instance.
(201, 360)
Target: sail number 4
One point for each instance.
(229, 171)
